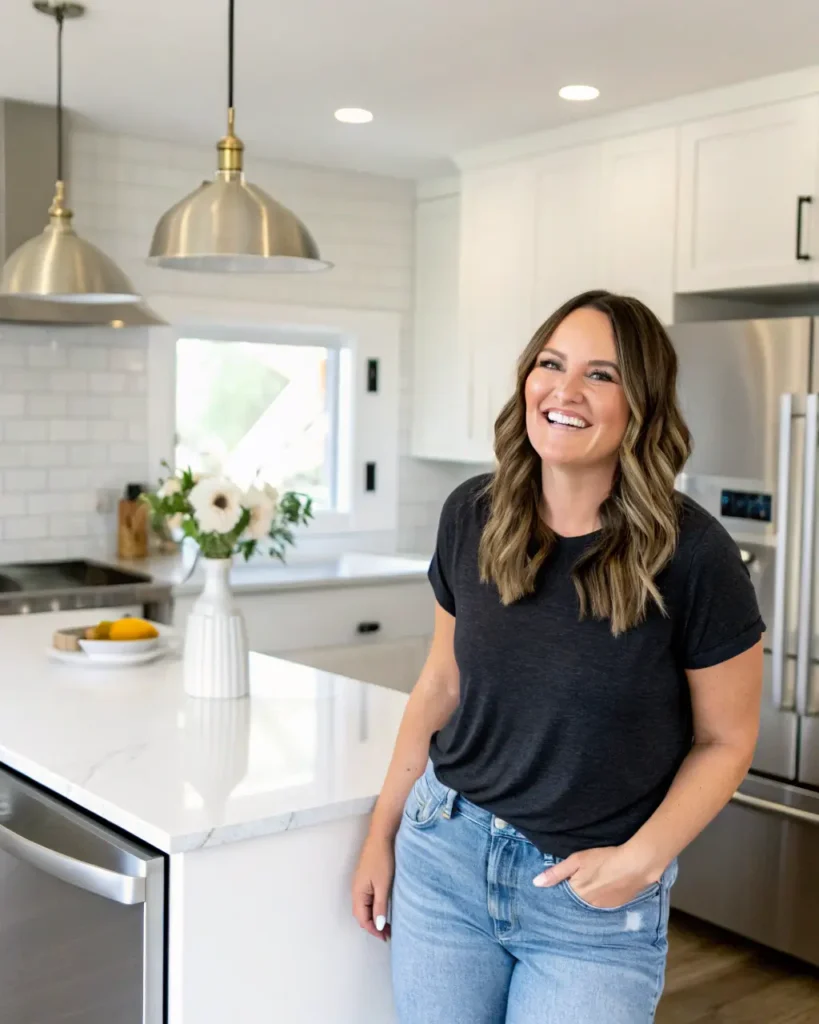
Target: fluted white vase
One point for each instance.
(216, 656)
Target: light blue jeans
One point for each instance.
(474, 942)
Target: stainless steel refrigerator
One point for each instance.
(750, 391)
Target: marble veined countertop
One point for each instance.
(183, 774)
(257, 576)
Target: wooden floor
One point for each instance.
(716, 978)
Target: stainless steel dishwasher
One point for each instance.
(82, 916)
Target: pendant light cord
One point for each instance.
(60, 16)
(231, 17)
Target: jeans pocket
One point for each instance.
(422, 806)
(647, 894)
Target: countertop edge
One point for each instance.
(194, 586)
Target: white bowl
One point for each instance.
(106, 648)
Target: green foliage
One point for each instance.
(174, 510)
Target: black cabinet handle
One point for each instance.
(367, 627)
(801, 202)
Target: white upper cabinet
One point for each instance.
(567, 228)
(638, 218)
(495, 292)
(740, 217)
(440, 401)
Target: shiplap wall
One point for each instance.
(119, 187)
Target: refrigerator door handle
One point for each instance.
(781, 810)
(804, 633)
(781, 699)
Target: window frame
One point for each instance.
(368, 428)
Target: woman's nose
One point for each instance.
(569, 387)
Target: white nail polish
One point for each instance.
(380, 922)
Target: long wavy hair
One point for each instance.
(615, 578)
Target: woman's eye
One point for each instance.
(601, 375)
(548, 364)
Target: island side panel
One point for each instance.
(261, 930)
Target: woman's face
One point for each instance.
(576, 409)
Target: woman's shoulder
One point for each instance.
(702, 536)
(469, 499)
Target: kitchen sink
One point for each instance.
(28, 587)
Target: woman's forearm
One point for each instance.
(429, 708)
(702, 787)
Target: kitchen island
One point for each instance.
(260, 806)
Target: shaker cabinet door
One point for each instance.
(495, 288)
(567, 228)
(748, 203)
(639, 210)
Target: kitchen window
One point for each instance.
(266, 410)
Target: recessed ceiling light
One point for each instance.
(578, 92)
(353, 115)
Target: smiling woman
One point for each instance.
(590, 701)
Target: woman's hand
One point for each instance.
(372, 884)
(607, 877)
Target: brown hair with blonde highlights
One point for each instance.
(615, 577)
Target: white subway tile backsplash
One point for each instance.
(69, 430)
(47, 405)
(87, 455)
(109, 430)
(12, 505)
(46, 454)
(88, 405)
(24, 527)
(68, 525)
(11, 354)
(67, 479)
(25, 380)
(12, 455)
(26, 430)
(24, 480)
(107, 383)
(126, 454)
(47, 357)
(129, 360)
(11, 405)
(89, 357)
(71, 381)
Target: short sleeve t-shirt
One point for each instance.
(570, 734)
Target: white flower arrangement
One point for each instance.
(224, 520)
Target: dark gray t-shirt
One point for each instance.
(571, 735)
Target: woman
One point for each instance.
(590, 701)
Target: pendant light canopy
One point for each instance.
(58, 265)
(229, 225)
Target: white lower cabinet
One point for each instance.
(395, 664)
(376, 632)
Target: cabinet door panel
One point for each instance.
(741, 175)
(396, 665)
(638, 218)
(495, 287)
(567, 228)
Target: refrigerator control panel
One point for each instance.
(746, 505)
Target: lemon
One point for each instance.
(132, 629)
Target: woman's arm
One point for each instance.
(430, 706)
(726, 703)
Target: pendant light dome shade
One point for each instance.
(58, 265)
(229, 225)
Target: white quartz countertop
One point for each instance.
(183, 774)
(346, 570)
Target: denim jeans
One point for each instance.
(475, 942)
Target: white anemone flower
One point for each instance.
(262, 509)
(173, 485)
(217, 504)
(272, 496)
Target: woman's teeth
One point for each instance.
(565, 421)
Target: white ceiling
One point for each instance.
(440, 75)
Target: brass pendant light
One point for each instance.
(230, 225)
(58, 265)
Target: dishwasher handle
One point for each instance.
(111, 885)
